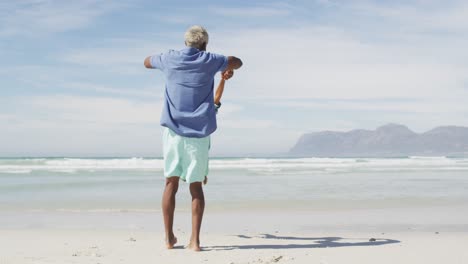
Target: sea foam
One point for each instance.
(265, 165)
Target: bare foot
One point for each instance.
(205, 181)
(194, 246)
(171, 242)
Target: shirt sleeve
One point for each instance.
(157, 61)
(220, 62)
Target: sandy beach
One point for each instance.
(120, 246)
(282, 236)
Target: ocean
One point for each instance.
(135, 184)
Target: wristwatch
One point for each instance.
(217, 106)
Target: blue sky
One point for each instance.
(73, 82)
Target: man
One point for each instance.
(188, 118)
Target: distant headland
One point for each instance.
(386, 141)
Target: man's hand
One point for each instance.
(226, 75)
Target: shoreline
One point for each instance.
(431, 218)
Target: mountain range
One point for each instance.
(386, 141)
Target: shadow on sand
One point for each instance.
(318, 242)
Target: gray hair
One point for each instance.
(196, 36)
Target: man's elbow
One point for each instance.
(239, 63)
(147, 63)
(234, 63)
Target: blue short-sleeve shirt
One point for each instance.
(189, 107)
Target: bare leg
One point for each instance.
(168, 207)
(198, 206)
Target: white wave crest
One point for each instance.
(71, 165)
(266, 165)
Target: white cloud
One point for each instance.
(36, 75)
(396, 106)
(37, 17)
(6, 117)
(396, 52)
(316, 62)
(81, 126)
(251, 11)
(420, 16)
(85, 125)
(245, 123)
(248, 138)
(97, 109)
(136, 91)
(119, 56)
(229, 109)
(176, 19)
(36, 136)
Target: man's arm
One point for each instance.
(148, 62)
(233, 63)
(219, 91)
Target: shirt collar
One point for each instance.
(190, 50)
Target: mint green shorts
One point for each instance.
(185, 157)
